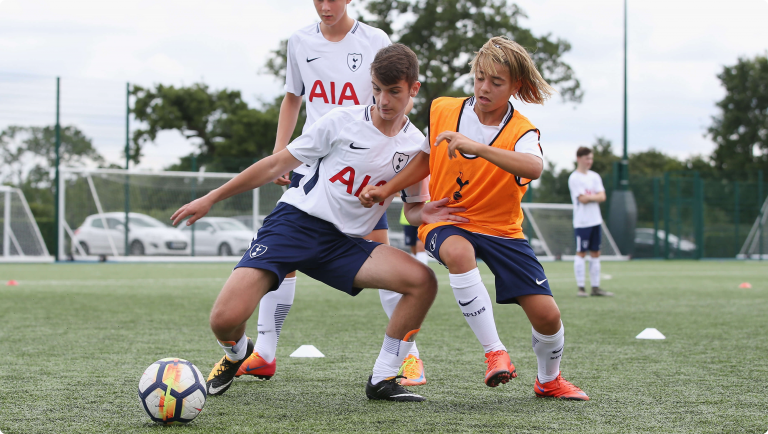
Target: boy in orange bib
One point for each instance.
(481, 153)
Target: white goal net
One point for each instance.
(549, 229)
(94, 204)
(19, 234)
(756, 244)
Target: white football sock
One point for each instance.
(594, 272)
(578, 270)
(476, 305)
(389, 300)
(422, 257)
(391, 356)
(549, 352)
(235, 352)
(273, 308)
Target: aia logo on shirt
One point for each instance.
(354, 60)
(346, 176)
(328, 93)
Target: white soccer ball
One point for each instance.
(172, 391)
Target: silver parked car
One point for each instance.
(146, 236)
(220, 236)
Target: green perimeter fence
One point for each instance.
(683, 216)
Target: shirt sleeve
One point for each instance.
(573, 186)
(317, 141)
(529, 144)
(425, 148)
(294, 83)
(416, 193)
(598, 183)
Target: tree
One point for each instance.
(28, 156)
(740, 131)
(230, 134)
(444, 34)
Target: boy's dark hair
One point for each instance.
(583, 151)
(394, 63)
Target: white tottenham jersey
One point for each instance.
(585, 215)
(332, 74)
(348, 152)
(471, 128)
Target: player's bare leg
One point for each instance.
(394, 270)
(548, 343)
(475, 303)
(235, 304)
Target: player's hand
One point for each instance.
(283, 180)
(371, 195)
(436, 211)
(457, 142)
(196, 209)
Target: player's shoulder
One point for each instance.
(304, 33)
(593, 174)
(412, 133)
(370, 33)
(347, 114)
(574, 175)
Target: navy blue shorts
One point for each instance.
(512, 261)
(588, 239)
(411, 234)
(291, 239)
(296, 178)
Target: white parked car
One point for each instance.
(146, 236)
(220, 236)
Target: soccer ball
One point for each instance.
(172, 391)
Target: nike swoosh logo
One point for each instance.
(311, 60)
(352, 145)
(541, 390)
(470, 301)
(253, 369)
(214, 390)
(539, 283)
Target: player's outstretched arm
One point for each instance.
(414, 172)
(286, 123)
(433, 212)
(260, 173)
(517, 163)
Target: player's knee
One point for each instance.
(550, 320)
(221, 323)
(426, 281)
(458, 256)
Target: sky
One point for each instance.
(676, 50)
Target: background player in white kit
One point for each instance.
(317, 227)
(328, 66)
(587, 192)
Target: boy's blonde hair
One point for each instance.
(502, 51)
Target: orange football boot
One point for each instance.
(500, 368)
(559, 388)
(413, 371)
(258, 367)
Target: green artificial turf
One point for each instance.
(75, 338)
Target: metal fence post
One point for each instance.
(760, 212)
(193, 195)
(126, 250)
(666, 215)
(736, 217)
(698, 208)
(59, 248)
(656, 217)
